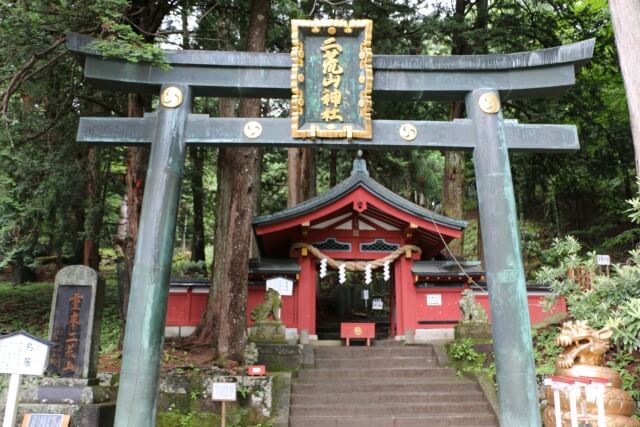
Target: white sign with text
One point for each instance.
(282, 285)
(225, 392)
(22, 354)
(434, 299)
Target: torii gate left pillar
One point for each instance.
(146, 314)
(481, 80)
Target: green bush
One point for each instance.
(463, 351)
(626, 326)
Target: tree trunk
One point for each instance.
(137, 161)
(146, 17)
(625, 17)
(208, 328)
(333, 168)
(453, 194)
(302, 175)
(236, 203)
(197, 189)
(95, 210)
(453, 179)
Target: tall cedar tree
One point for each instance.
(146, 17)
(238, 181)
(454, 166)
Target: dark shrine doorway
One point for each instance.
(354, 301)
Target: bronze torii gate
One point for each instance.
(481, 81)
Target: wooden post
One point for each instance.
(223, 414)
(11, 410)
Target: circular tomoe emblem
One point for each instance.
(489, 103)
(408, 132)
(253, 129)
(171, 97)
(357, 331)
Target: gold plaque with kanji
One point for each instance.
(331, 79)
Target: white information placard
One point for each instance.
(283, 285)
(434, 299)
(603, 259)
(377, 304)
(21, 353)
(225, 392)
(365, 294)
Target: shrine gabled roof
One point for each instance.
(447, 268)
(359, 178)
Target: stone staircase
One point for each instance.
(385, 386)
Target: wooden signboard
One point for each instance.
(45, 420)
(20, 354)
(283, 285)
(224, 392)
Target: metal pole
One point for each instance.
(511, 328)
(144, 333)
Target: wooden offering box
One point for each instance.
(351, 331)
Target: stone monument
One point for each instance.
(74, 329)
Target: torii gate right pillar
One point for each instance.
(511, 329)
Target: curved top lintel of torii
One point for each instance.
(537, 73)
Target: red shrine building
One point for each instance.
(408, 290)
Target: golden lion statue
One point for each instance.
(583, 356)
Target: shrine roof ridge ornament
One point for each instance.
(517, 75)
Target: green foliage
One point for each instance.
(463, 351)
(608, 294)
(626, 326)
(118, 39)
(123, 43)
(111, 323)
(629, 369)
(183, 267)
(25, 307)
(545, 350)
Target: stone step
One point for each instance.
(453, 420)
(372, 352)
(397, 409)
(378, 397)
(345, 374)
(377, 362)
(388, 343)
(433, 385)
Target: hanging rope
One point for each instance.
(357, 265)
